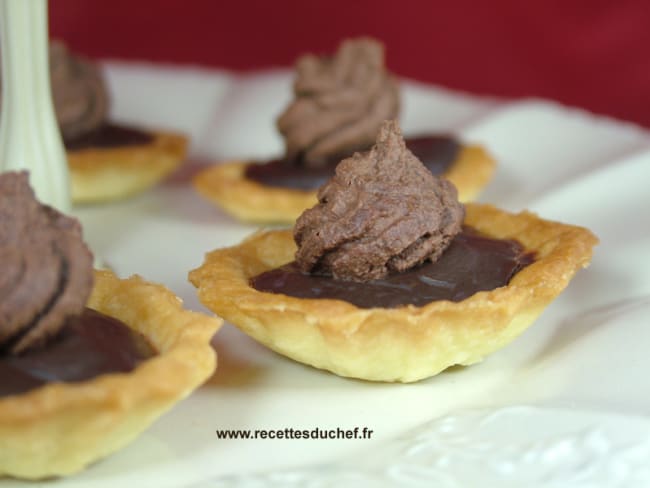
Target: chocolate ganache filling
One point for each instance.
(472, 263)
(437, 153)
(87, 346)
(108, 135)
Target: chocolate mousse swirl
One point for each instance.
(382, 212)
(46, 267)
(339, 104)
(78, 91)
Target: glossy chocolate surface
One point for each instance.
(109, 136)
(472, 263)
(88, 346)
(437, 153)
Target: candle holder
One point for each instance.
(29, 134)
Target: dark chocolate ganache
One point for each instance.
(437, 153)
(109, 136)
(88, 345)
(472, 263)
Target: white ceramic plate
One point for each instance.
(566, 404)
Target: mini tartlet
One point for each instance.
(100, 174)
(339, 105)
(60, 428)
(402, 344)
(226, 186)
(107, 160)
(87, 360)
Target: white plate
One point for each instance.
(565, 405)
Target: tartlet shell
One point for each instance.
(103, 174)
(60, 428)
(401, 344)
(226, 186)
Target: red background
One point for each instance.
(593, 54)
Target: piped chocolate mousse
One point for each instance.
(339, 105)
(382, 212)
(386, 233)
(79, 92)
(46, 281)
(47, 269)
(81, 103)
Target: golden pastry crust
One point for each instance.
(226, 186)
(102, 174)
(60, 428)
(401, 344)
(471, 172)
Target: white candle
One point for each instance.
(29, 135)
